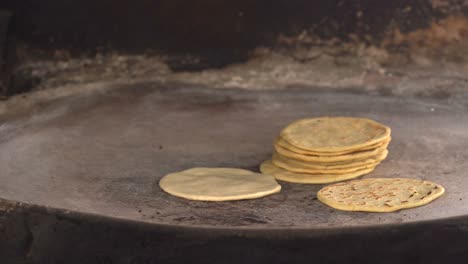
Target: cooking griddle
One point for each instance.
(87, 166)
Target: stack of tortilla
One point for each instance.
(327, 149)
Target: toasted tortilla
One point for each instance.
(334, 134)
(268, 167)
(298, 164)
(282, 143)
(380, 194)
(305, 169)
(346, 158)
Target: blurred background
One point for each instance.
(248, 44)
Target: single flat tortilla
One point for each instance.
(282, 143)
(268, 167)
(334, 134)
(218, 184)
(359, 155)
(302, 169)
(380, 194)
(326, 166)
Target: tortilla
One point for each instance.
(380, 194)
(359, 155)
(277, 158)
(268, 167)
(334, 134)
(302, 169)
(280, 142)
(218, 184)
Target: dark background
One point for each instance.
(211, 25)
